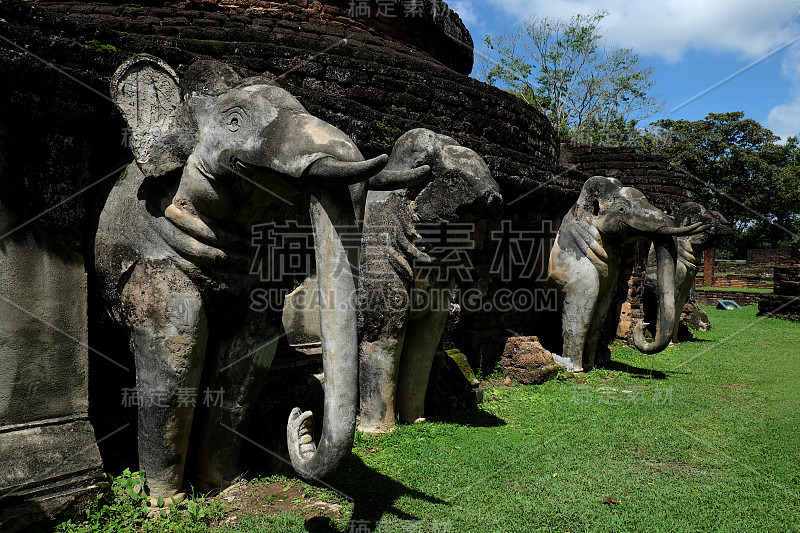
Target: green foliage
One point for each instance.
(279, 523)
(592, 92)
(740, 170)
(125, 508)
(109, 47)
(388, 134)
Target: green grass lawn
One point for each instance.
(736, 289)
(704, 436)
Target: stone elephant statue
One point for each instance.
(690, 250)
(585, 258)
(407, 277)
(215, 154)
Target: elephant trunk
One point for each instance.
(331, 215)
(666, 256)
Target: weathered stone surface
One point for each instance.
(664, 185)
(695, 318)
(787, 280)
(462, 364)
(300, 317)
(785, 302)
(585, 259)
(780, 306)
(690, 252)
(49, 462)
(692, 318)
(410, 265)
(216, 153)
(374, 87)
(527, 361)
(626, 321)
(710, 297)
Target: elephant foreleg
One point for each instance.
(378, 372)
(168, 334)
(579, 301)
(596, 327)
(422, 338)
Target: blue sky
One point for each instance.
(692, 45)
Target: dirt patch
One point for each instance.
(261, 498)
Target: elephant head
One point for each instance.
(626, 213)
(463, 189)
(716, 227)
(414, 257)
(246, 148)
(690, 250)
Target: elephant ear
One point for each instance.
(146, 91)
(689, 213)
(596, 189)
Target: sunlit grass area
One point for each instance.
(704, 436)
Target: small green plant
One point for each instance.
(389, 134)
(109, 47)
(125, 507)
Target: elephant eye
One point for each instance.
(234, 121)
(595, 208)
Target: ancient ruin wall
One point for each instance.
(373, 77)
(64, 143)
(770, 256)
(370, 87)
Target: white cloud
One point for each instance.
(670, 28)
(784, 119)
(466, 11)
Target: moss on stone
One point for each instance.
(463, 365)
(98, 44)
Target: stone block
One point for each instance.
(49, 462)
(527, 361)
(452, 384)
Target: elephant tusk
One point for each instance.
(392, 180)
(695, 228)
(331, 171)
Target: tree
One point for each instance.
(589, 90)
(742, 171)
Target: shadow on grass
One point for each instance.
(374, 495)
(472, 417)
(635, 371)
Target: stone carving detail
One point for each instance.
(690, 250)
(172, 256)
(407, 279)
(585, 258)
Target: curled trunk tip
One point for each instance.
(667, 257)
